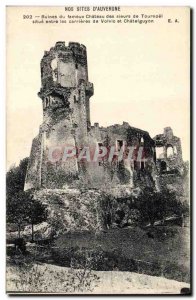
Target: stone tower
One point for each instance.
(65, 93)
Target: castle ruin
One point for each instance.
(65, 93)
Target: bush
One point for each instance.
(100, 260)
(155, 206)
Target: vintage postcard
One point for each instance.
(98, 150)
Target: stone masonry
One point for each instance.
(65, 94)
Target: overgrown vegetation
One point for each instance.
(129, 249)
(21, 208)
(113, 249)
(148, 207)
(32, 276)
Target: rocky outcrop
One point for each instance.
(72, 209)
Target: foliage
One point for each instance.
(15, 178)
(17, 209)
(31, 278)
(35, 277)
(23, 209)
(36, 213)
(81, 277)
(16, 204)
(159, 205)
(148, 206)
(72, 210)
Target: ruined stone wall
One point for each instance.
(57, 173)
(103, 173)
(169, 152)
(33, 176)
(64, 65)
(69, 73)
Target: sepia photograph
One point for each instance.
(98, 150)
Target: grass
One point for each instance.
(159, 251)
(162, 250)
(47, 278)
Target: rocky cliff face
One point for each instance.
(72, 209)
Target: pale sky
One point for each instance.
(140, 72)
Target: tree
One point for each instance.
(15, 178)
(16, 204)
(17, 209)
(155, 206)
(147, 203)
(36, 213)
(23, 209)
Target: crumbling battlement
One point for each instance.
(130, 136)
(168, 152)
(76, 48)
(64, 65)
